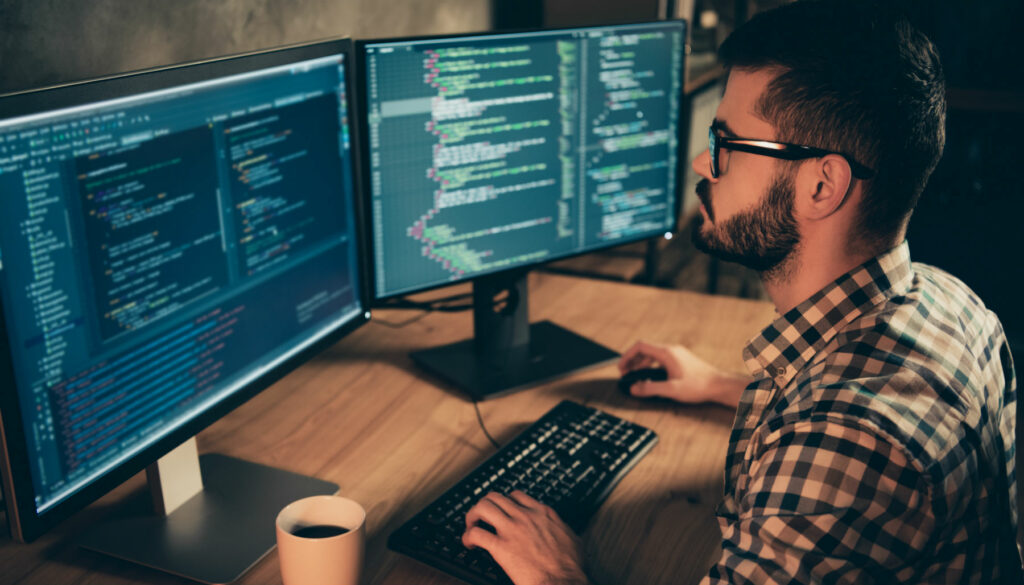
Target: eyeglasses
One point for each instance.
(775, 150)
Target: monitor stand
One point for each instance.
(507, 353)
(213, 534)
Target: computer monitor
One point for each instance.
(173, 241)
(488, 154)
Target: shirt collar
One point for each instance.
(783, 348)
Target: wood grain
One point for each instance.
(361, 415)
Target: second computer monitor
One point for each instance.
(498, 151)
(174, 241)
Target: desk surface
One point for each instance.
(363, 416)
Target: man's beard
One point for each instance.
(763, 238)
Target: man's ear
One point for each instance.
(822, 186)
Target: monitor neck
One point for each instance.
(175, 478)
(501, 319)
(507, 353)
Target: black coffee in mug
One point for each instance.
(318, 531)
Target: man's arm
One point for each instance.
(527, 538)
(826, 501)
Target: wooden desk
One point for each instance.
(363, 416)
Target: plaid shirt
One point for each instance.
(876, 443)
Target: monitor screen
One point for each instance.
(161, 251)
(497, 151)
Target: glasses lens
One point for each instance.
(713, 150)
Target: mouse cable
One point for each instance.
(480, 419)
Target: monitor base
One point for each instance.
(220, 533)
(552, 351)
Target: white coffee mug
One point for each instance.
(321, 541)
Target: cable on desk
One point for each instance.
(401, 324)
(430, 306)
(427, 307)
(449, 298)
(440, 304)
(480, 419)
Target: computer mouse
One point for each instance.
(629, 378)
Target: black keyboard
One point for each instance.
(570, 459)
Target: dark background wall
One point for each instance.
(969, 219)
(43, 42)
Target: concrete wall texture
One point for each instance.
(43, 42)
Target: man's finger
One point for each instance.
(625, 359)
(489, 512)
(524, 500)
(475, 537)
(631, 358)
(644, 355)
(660, 354)
(639, 362)
(503, 502)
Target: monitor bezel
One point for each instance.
(366, 171)
(25, 522)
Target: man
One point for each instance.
(875, 441)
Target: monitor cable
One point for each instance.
(427, 307)
(483, 427)
(440, 305)
(400, 324)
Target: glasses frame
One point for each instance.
(781, 150)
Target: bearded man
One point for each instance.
(874, 439)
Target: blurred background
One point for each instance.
(966, 222)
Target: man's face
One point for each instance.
(746, 214)
(761, 238)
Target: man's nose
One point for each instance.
(702, 165)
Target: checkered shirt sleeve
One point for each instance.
(826, 502)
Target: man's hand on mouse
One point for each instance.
(690, 379)
(529, 541)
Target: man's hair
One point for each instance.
(855, 77)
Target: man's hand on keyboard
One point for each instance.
(529, 540)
